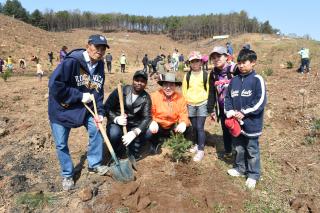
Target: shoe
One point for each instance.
(235, 173)
(67, 183)
(100, 170)
(227, 155)
(155, 149)
(198, 157)
(251, 183)
(194, 149)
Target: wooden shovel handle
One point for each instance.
(121, 105)
(103, 132)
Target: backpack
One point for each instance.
(205, 79)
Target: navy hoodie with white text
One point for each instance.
(67, 84)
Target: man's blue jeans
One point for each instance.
(95, 146)
(248, 156)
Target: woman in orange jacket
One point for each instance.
(169, 111)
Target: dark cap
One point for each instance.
(98, 40)
(140, 73)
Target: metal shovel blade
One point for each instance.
(122, 171)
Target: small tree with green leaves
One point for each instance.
(6, 75)
(178, 144)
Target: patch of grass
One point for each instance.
(195, 202)
(308, 140)
(178, 145)
(35, 200)
(314, 133)
(219, 208)
(16, 98)
(261, 206)
(268, 71)
(122, 210)
(6, 75)
(316, 124)
(289, 64)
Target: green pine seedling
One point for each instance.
(178, 144)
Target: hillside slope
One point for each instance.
(290, 144)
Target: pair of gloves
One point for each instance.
(180, 128)
(87, 98)
(131, 135)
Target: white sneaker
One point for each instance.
(234, 173)
(194, 149)
(67, 183)
(251, 183)
(198, 157)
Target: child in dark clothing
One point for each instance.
(245, 100)
(219, 80)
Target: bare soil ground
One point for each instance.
(290, 159)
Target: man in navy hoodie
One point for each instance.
(75, 80)
(245, 100)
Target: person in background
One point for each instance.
(123, 62)
(246, 46)
(230, 48)
(230, 52)
(39, 71)
(205, 59)
(10, 64)
(161, 65)
(50, 57)
(22, 63)
(175, 60)
(63, 53)
(145, 62)
(1, 65)
(305, 61)
(109, 62)
(75, 81)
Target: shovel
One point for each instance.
(131, 158)
(121, 170)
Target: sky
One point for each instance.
(298, 17)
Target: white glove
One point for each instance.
(230, 113)
(86, 98)
(128, 138)
(154, 127)
(121, 120)
(181, 127)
